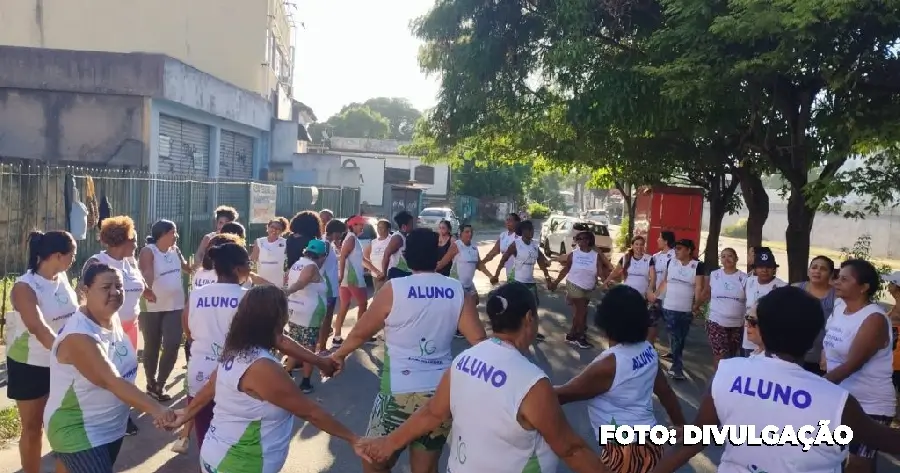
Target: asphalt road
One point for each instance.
(349, 397)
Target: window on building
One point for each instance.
(396, 176)
(425, 174)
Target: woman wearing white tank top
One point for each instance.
(162, 264)
(269, 252)
(620, 383)
(506, 418)
(858, 351)
(725, 323)
(773, 389)
(581, 268)
(373, 255)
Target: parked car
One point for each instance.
(562, 239)
(431, 218)
(549, 226)
(597, 216)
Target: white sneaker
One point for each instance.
(182, 445)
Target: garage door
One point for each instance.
(183, 152)
(235, 165)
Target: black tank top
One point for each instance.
(442, 251)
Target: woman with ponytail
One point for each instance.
(43, 300)
(161, 264)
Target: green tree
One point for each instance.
(359, 122)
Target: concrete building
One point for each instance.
(387, 179)
(194, 88)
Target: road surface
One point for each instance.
(349, 397)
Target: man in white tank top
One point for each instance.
(773, 389)
(419, 314)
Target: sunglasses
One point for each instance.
(751, 321)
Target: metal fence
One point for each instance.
(33, 196)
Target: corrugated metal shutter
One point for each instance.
(235, 164)
(183, 152)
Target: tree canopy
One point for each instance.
(707, 91)
(379, 117)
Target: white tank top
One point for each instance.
(489, 382)
(629, 400)
(212, 307)
(306, 307)
(79, 414)
(132, 284)
(523, 262)
(660, 262)
(418, 332)
(638, 273)
(727, 305)
(354, 273)
(330, 270)
(202, 277)
(246, 434)
(680, 283)
(506, 239)
(398, 259)
(583, 272)
(167, 284)
(763, 391)
(465, 263)
(379, 246)
(871, 384)
(754, 291)
(57, 302)
(272, 259)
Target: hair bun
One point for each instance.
(36, 236)
(496, 305)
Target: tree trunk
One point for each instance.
(716, 214)
(800, 222)
(632, 203)
(757, 202)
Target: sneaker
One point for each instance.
(571, 339)
(306, 386)
(336, 342)
(373, 339)
(182, 445)
(676, 376)
(458, 335)
(131, 428)
(583, 344)
(540, 337)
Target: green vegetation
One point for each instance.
(10, 426)
(738, 230)
(622, 240)
(862, 249)
(536, 210)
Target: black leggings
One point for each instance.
(162, 330)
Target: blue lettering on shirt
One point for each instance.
(645, 358)
(217, 301)
(430, 292)
(481, 370)
(762, 389)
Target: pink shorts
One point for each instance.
(131, 331)
(359, 294)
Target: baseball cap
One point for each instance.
(893, 278)
(685, 242)
(356, 220)
(317, 247)
(763, 258)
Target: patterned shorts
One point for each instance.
(391, 410)
(656, 313)
(865, 451)
(724, 341)
(305, 336)
(576, 292)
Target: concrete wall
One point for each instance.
(371, 185)
(441, 174)
(225, 38)
(832, 231)
(92, 129)
(321, 170)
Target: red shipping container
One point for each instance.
(667, 208)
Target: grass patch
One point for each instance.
(10, 427)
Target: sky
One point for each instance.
(354, 50)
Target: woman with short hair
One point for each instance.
(120, 238)
(93, 368)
